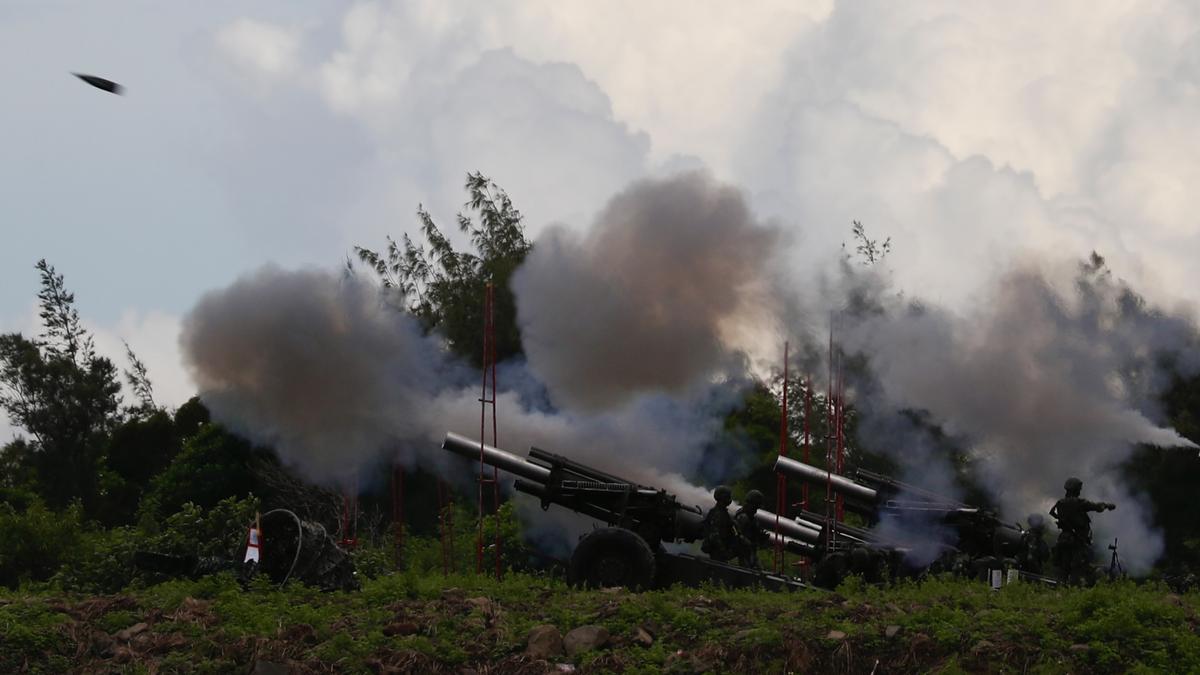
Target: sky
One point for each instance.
(970, 133)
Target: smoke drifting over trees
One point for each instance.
(320, 367)
(633, 328)
(1039, 384)
(647, 298)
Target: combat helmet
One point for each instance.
(723, 495)
(1073, 486)
(754, 499)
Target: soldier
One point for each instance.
(1034, 552)
(1073, 551)
(751, 536)
(720, 535)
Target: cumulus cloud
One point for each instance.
(259, 47)
(973, 135)
(154, 338)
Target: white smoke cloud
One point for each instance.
(973, 136)
(1039, 384)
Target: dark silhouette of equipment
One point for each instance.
(1115, 569)
(976, 539)
(630, 551)
(101, 83)
(292, 549)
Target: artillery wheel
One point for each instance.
(612, 556)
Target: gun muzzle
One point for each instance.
(506, 461)
(812, 474)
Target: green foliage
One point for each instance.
(469, 621)
(138, 449)
(139, 381)
(36, 541)
(65, 396)
(104, 563)
(213, 465)
(445, 288)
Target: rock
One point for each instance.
(127, 634)
(1080, 648)
(585, 638)
(743, 635)
(642, 637)
(401, 628)
(891, 631)
(981, 647)
(270, 668)
(484, 605)
(612, 590)
(544, 642)
(835, 635)
(564, 668)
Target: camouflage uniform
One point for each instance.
(720, 534)
(1073, 551)
(1034, 553)
(750, 535)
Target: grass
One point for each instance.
(410, 622)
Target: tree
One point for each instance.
(870, 250)
(444, 288)
(139, 381)
(65, 396)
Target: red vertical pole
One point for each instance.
(840, 404)
(350, 517)
(446, 525)
(487, 397)
(398, 513)
(807, 438)
(491, 289)
(780, 478)
(829, 459)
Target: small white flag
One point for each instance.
(252, 546)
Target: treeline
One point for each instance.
(93, 478)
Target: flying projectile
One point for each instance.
(101, 83)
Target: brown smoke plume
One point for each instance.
(319, 367)
(649, 297)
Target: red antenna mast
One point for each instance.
(487, 398)
(350, 517)
(398, 512)
(446, 525)
(781, 479)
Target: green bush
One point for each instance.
(104, 563)
(35, 542)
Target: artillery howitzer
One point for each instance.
(630, 551)
(980, 543)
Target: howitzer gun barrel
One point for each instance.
(793, 529)
(794, 546)
(466, 447)
(812, 474)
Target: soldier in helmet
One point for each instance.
(1034, 552)
(1073, 551)
(751, 535)
(720, 535)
